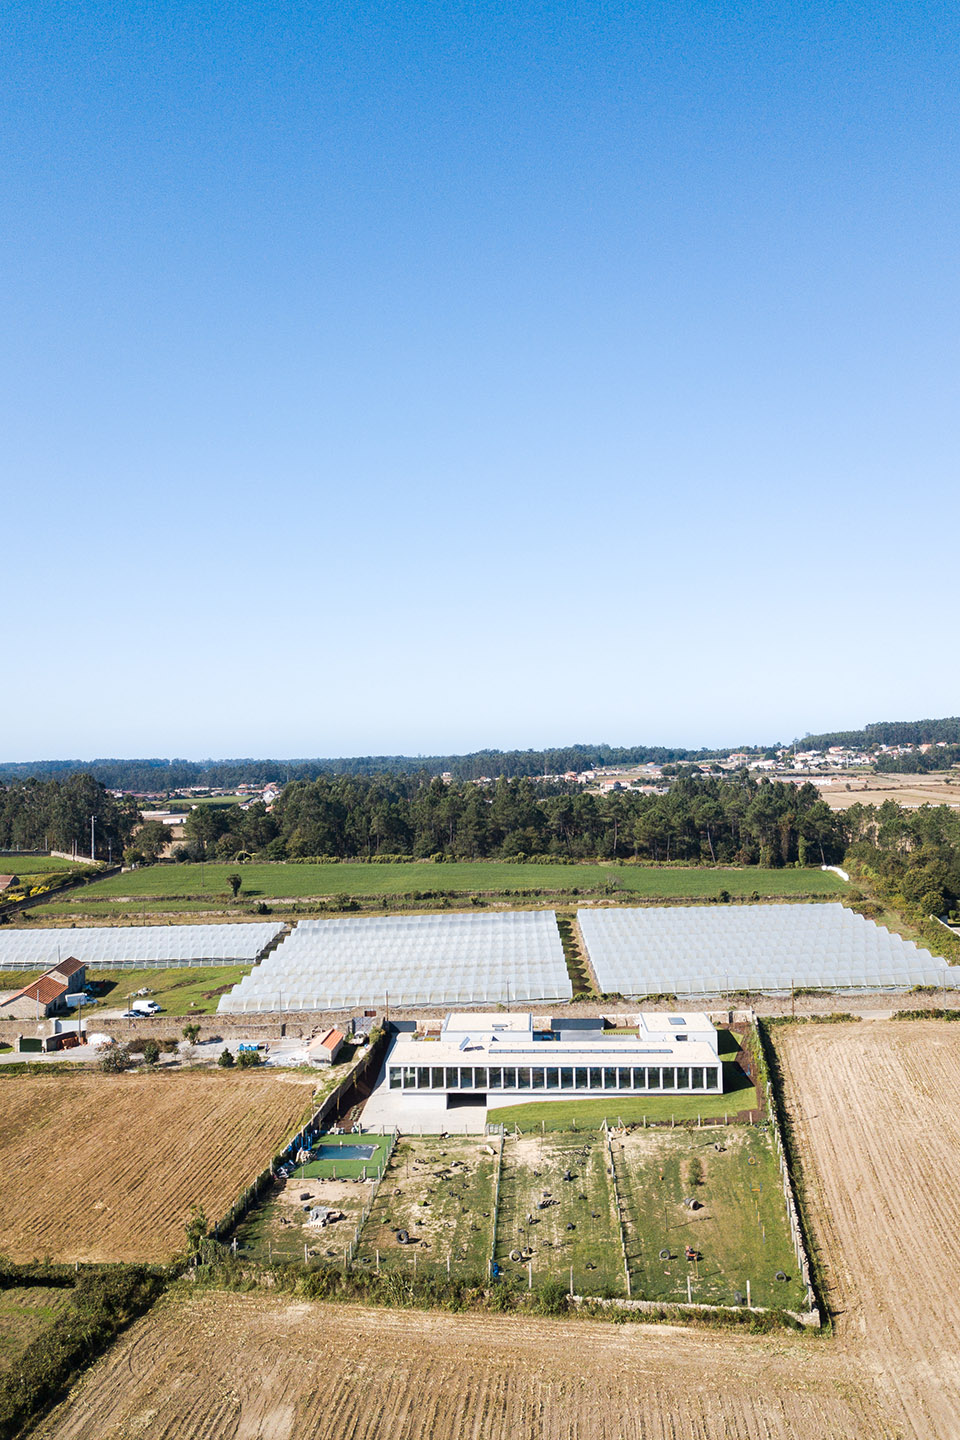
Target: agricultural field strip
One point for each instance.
(876, 1111)
(114, 1162)
(294, 882)
(222, 1365)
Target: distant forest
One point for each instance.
(56, 815)
(888, 732)
(160, 775)
(738, 821)
(152, 775)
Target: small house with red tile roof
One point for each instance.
(46, 996)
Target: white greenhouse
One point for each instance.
(714, 950)
(140, 946)
(408, 960)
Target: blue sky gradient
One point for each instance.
(414, 378)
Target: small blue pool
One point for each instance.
(344, 1152)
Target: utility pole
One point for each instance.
(93, 821)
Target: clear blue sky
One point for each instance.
(417, 377)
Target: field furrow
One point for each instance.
(243, 1366)
(877, 1115)
(106, 1167)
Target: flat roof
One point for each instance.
(465, 1022)
(514, 1049)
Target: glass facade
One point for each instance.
(566, 1077)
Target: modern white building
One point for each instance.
(501, 1059)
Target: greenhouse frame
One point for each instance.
(722, 950)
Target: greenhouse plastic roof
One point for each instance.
(408, 960)
(714, 950)
(136, 945)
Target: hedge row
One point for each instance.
(104, 1303)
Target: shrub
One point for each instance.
(249, 1059)
(552, 1298)
(115, 1060)
(225, 1059)
(196, 1228)
(151, 1052)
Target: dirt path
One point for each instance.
(878, 1115)
(223, 1366)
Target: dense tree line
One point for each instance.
(888, 732)
(739, 821)
(163, 775)
(912, 856)
(56, 814)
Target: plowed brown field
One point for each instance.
(877, 1110)
(106, 1167)
(243, 1366)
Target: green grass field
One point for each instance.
(548, 1115)
(283, 881)
(739, 1228)
(181, 992)
(572, 1227)
(37, 865)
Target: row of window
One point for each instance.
(563, 1077)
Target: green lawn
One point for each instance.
(209, 882)
(739, 1228)
(335, 1169)
(181, 991)
(739, 1094)
(37, 865)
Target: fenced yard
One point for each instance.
(557, 1213)
(669, 1215)
(439, 1195)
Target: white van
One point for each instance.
(145, 1007)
